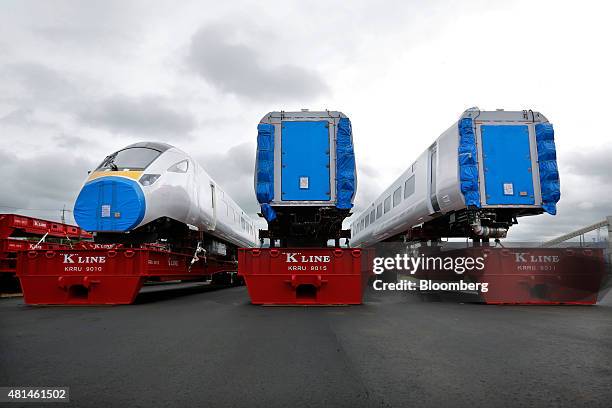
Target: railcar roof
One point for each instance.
(159, 146)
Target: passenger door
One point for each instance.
(432, 178)
(213, 206)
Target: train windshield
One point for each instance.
(132, 158)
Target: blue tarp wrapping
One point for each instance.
(110, 203)
(468, 163)
(346, 180)
(268, 212)
(549, 173)
(264, 187)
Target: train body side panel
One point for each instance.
(448, 190)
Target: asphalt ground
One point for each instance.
(196, 346)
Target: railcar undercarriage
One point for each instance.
(172, 235)
(306, 226)
(476, 224)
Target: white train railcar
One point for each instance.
(149, 190)
(305, 178)
(475, 180)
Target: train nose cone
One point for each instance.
(110, 204)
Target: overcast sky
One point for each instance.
(79, 80)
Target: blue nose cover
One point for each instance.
(110, 204)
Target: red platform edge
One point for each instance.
(103, 276)
(305, 276)
(10, 224)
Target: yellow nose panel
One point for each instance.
(134, 175)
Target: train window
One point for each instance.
(409, 187)
(379, 211)
(132, 158)
(180, 167)
(387, 204)
(367, 221)
(372, 216)
(397, 196)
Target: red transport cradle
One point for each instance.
(104, 274)
(305, 276)
(539, 276)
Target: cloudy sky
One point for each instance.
(79, 80)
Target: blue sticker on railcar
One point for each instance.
(305, 156)
(507, 165)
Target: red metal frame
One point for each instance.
(13, 224)
(102, 275)
(305, 276)
(20, 233)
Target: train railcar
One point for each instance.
(305, 178)
(474, 181)
(148, 191)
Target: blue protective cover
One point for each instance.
(110, 204)
(549, 173)
(268, 212)
(264, 188)
(346, 178)
(507, 162)
(305, 161)
(468, 163)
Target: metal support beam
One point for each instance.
(605, 223)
